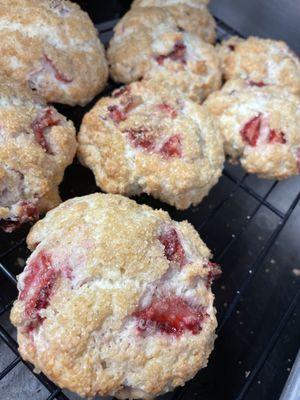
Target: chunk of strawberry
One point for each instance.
(45, 121)
(214, 272)
(276, 137)
(259, 84)
(169, 110)
(173, 248)
(298, 158)
(251, 131)
(38, 284)
(172, 147)
(121, 91)
(58, 75)
(170, 315)
(177, 54)
(116, 114)
(141, 137)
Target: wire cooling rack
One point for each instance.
(251, 225)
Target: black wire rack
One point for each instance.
(239, 207)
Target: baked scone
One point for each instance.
(263, 61)
(52, 46)
(36, 145)
(166, 3)
(148, 138)
(147, 44)
(194, 19)
(115, 299)
(260, 125)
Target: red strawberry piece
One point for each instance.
(251, 131)
(276, 137)
(160, 59)
(141, 137)
(259, 84)
(166, 108)
(173, 248)
(116, 114)
(172, 147)
(46, 120)
(177, 54)
(298, 158)
(58, 75)
(29, 211)
(213, 273)
(171, 315)
(121, 91)
(38, 284)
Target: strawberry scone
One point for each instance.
(260, 124)
(53, 47)
(263, 61)
(115, 299)
(36, 145)
(148, 44)
(148, 138)
(188, 16)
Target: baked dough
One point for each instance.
(115, 299)
(167, 3)
(190, 17)
(52, 46)
(148, 138)
(36, 145)
(260, 125)
(147, 44)
(263, 61)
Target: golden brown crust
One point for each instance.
(147, 44)
(260, 126)
(52, 46)
(196, 20)
(261, 60)
(89, 340)
(152, 139)
(37, 144)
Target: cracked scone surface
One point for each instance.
(261, 60)
(36, 145)
(193, 18)
(148, 138)
(52, 46)
(115, 299)
(260, 125)
(148, 44)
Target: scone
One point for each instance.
(148, 138)
(188, 17)
(148, 44)
(166, 3)
(36, 145)
(263, 61)
(52, 46)
(115, 299)
(260, 125)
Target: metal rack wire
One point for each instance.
(7, 274)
